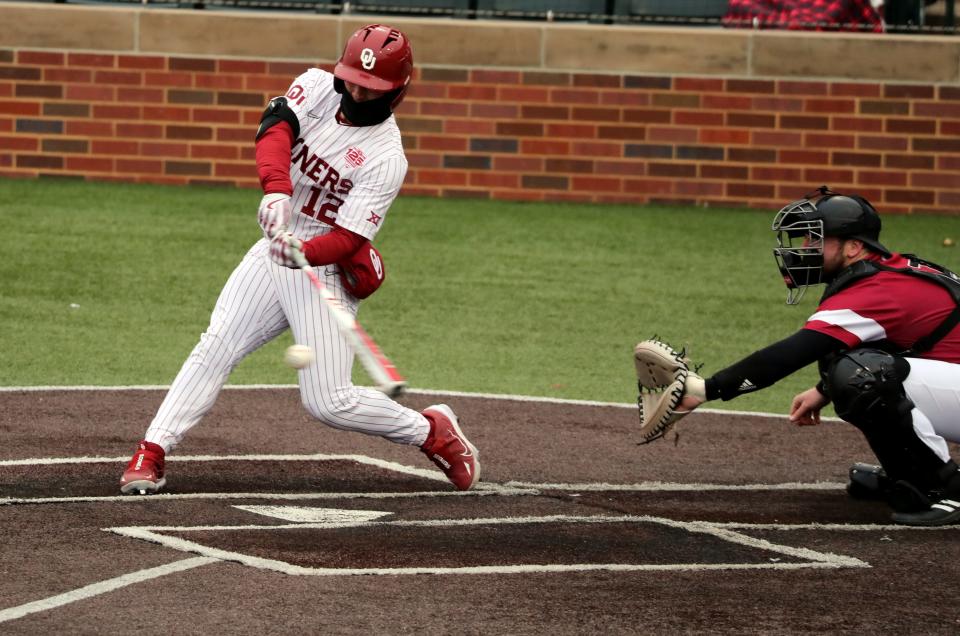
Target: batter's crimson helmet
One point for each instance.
(377, 57)
(819, 214)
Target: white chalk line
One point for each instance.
(659, 486)
(830, 527)
(510, 487)
(102, 587)
(813, 558)
(724, 531)
(308, 496)
(208, 555)
(312, 514)
(424, 473)
(438, 392)
(430, 474)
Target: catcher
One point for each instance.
(886, 338)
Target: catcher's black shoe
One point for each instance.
(904, 497)
(943, 513)
(945, 510)
(871, 483)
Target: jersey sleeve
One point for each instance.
(371, 197)
(307, 91)
(856, 315)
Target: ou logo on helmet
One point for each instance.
(367, 59)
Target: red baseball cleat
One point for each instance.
(449, 449)
(144, 473)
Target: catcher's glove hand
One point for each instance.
(663, 378)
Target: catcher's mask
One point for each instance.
(802, 225)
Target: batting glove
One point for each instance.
(282, 247)
(274, 213)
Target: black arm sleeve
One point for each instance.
(771, 364)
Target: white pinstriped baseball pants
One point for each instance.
(259, 301)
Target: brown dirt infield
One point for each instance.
(715, 550)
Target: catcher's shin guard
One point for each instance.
(868, 481)
(866, 386)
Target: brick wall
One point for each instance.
(710, 141)
(727, 134)
(157, 119)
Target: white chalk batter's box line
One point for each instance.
(211, 556)
(811, 558)
(483, 488)
(354, 518)
(722, 530)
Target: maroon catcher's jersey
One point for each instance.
(892, 306)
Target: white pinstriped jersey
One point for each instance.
(343, 175)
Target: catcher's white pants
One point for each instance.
(259, 301)
(934, 388)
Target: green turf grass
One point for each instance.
(110, 284)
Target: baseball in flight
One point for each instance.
(298, 356)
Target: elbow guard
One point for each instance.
(277, 111)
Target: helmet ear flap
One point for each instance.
(398, 95)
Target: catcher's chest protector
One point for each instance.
(941, 275)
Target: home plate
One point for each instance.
(306, 514)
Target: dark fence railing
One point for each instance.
(899, 16)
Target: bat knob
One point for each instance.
(394, 390)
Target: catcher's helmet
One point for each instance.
(819, 214)
(377, 57)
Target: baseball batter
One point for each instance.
(887, 340)
(331, 162)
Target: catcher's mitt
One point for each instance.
(663, 378)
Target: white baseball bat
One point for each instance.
(385, 376)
